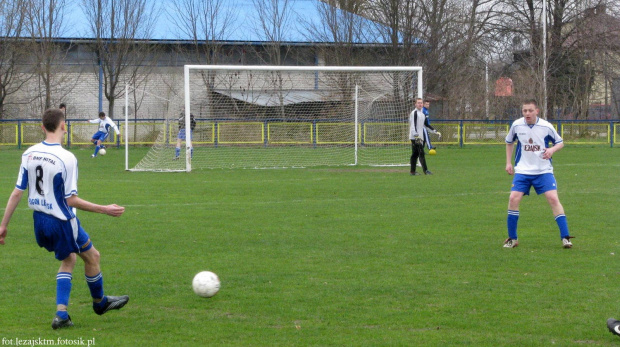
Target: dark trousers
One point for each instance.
(417, 151)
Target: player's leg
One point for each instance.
(423, 159)
(92, 270)
(63, 292)
(177, 149)
(53, 234)
(560, 218)
(97, 142)
(546, 184)
(513, 218)
(414, 158)
(427, 138)
(102, 137)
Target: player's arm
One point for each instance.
(509, 149)
(549, 151)
(113, 124)
(428, 126)
(94, 120)
(111, 210)
(11, 205)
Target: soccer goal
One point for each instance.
(286, 116)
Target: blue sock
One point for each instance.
(62, 314)
(95, 284)
(513, 219)
(97, 150)
(177, 151)
(563, 225)
(63, 288)
(101, 303)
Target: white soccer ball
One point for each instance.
(206, 284)
(102, 151)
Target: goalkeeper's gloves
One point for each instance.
(438, 134)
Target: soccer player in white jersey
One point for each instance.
(50, 174)
(537, 141)
(105, 123)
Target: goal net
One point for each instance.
(286, 116)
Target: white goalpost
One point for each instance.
(276, 116)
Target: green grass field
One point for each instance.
(330, 256)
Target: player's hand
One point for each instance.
(114, 210)
(547, 153)
(438, 134)
(3, 231)
(510, 169)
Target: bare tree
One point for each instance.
(569, 52)
(45, 24)
(12, 49)
(274, 22)
(118, 28)
(341, 29)
(206, 24)
(446, 37)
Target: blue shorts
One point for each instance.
(181, 135)
(62, 237)
(541, 183)
(100, 135)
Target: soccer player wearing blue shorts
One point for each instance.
(533, 168)
(50, 174)
(105, 123)
(181, 135)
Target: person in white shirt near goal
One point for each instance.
(418, 123)
(533, 168)
(105, 123)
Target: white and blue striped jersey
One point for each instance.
(105, 124)
(532, 142)
(50, 174)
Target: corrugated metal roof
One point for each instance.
(272, 98)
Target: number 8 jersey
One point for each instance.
(50, 174)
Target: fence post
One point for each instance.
(216, 135)
(69, 134)
(19, 134)
(461, 134)
(611, 134)
(314, 133)
(265, 133)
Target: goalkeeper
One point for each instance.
(181, 136)
(418, 122)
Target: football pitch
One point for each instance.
(329, 256)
